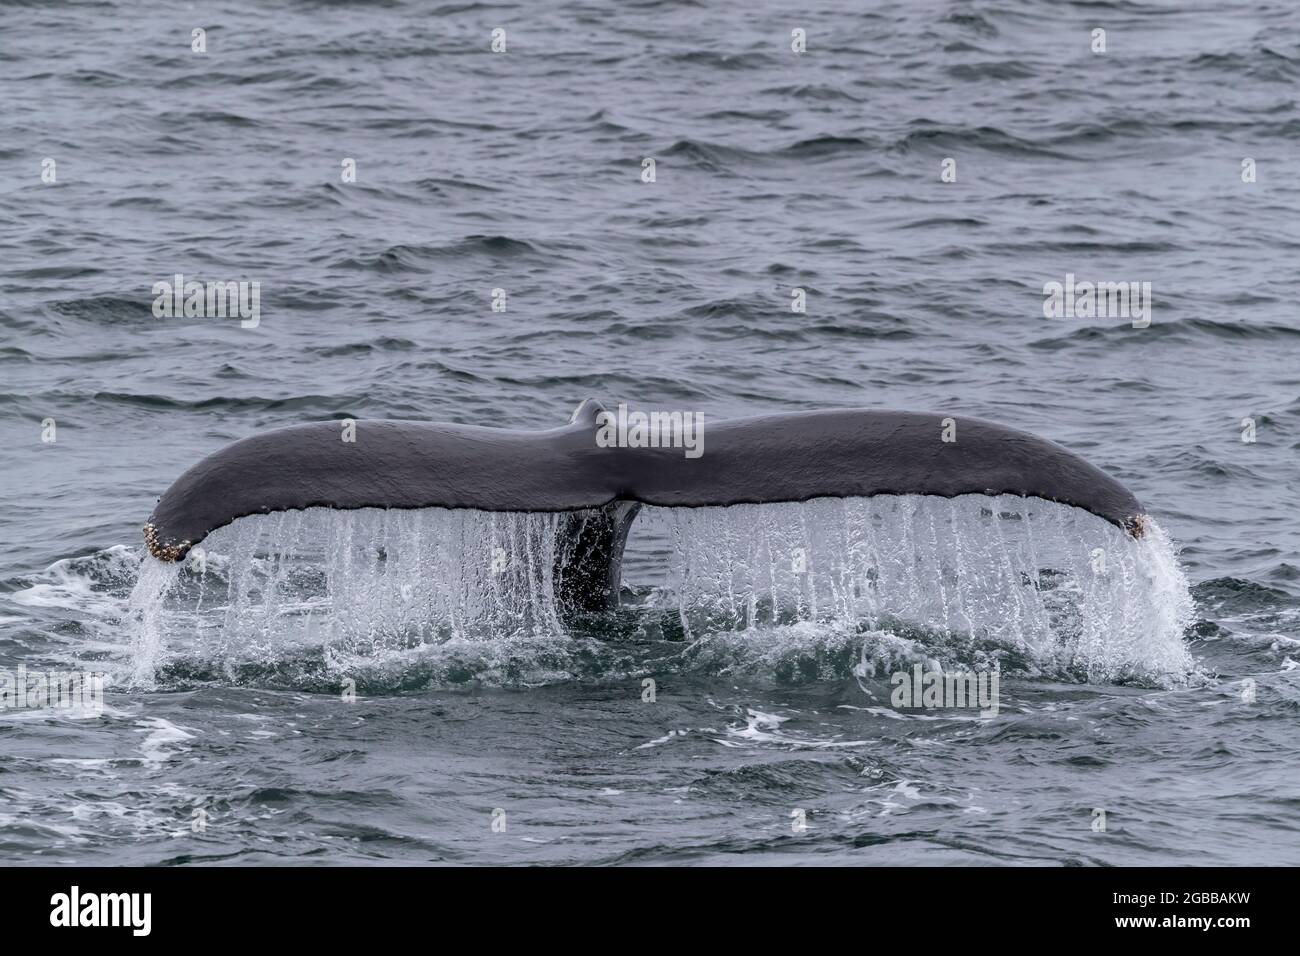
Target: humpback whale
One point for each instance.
(786, 457)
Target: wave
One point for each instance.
(719, 60)
(1260, 63)
(107, 309)
(417, 258)
(1119, 334)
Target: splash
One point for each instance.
(145, 611)
(1054, 584)
(795, 589)
(350, 585)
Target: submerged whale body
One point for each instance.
(794, 456)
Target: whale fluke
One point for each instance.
(792, 456)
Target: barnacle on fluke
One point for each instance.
(162, 551)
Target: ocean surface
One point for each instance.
(311, 723)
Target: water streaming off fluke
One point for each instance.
(1072, 592)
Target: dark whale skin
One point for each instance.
(793, 456)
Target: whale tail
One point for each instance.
(598, 471)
